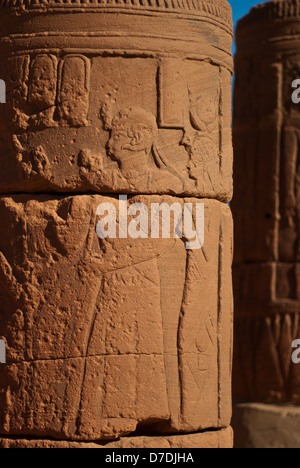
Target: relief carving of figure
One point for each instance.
(290, 191)
(199, 140)
(132, 145)
(289, 246)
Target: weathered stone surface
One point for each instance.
(215, 439)
(113, 99)
(266, 204)
(266, 128)
(126, 336)
(104, 336)
(263, 367)
(266, 426)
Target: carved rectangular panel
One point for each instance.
(42, 81)
(173, 93)
(74, 89)
(71, 108)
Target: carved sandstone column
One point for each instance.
(127, 335)
(266, 205)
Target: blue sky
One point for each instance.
(241, 7)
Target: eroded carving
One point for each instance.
(266, 205)
(132, 144)
(73, 94)
(92, 315)
(42, 90)
(45, 92)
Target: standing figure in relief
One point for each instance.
(199, 140)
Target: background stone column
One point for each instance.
(266, 209)
(126, 336)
